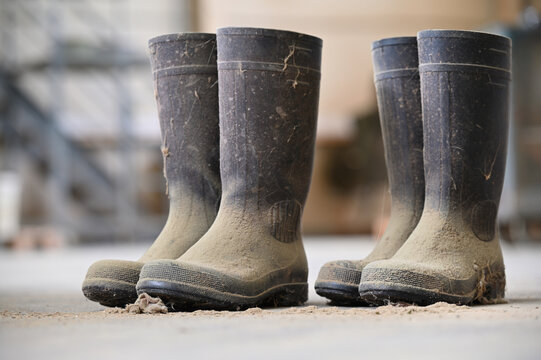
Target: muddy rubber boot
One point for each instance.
(396, 78)
(253, 254)
(454, 255)
(186, 89)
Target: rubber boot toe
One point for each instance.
(112, 282)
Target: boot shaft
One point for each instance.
(269, 91)
(396, 79)
(186, 90)
(465, 91)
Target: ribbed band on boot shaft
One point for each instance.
(395, 57)
(183, 53)
(469, 50)
(244, 48)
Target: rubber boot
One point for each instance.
(396, 78)
(186, 89)
(253, 254)
(453, 255)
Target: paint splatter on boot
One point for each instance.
(399, 102)
(454, 255)
(186, 90)
(253, 254)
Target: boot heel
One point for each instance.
(491, 285)
(288, 295)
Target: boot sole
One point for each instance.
(491, 289)
(189, 297)
(383, 294)
(109, 292)
(339, 293)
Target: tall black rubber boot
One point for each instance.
(454, 254)
(396, 77)
(253, 254)
(186, 89)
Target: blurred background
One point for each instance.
(79, 134)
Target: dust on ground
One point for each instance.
(394, 311)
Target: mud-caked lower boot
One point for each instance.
(453, 255)
(253, 254)
(396, 78)
(186, 90)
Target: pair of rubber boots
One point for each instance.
(238, 114)
(448, 91)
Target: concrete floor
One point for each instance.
(44, 315)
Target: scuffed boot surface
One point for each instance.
(112, 282)
(236, 265)
(253, 253)
(185, 79)
(396, 78)
(454, 255)
(439, 262)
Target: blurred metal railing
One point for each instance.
(43, 44)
